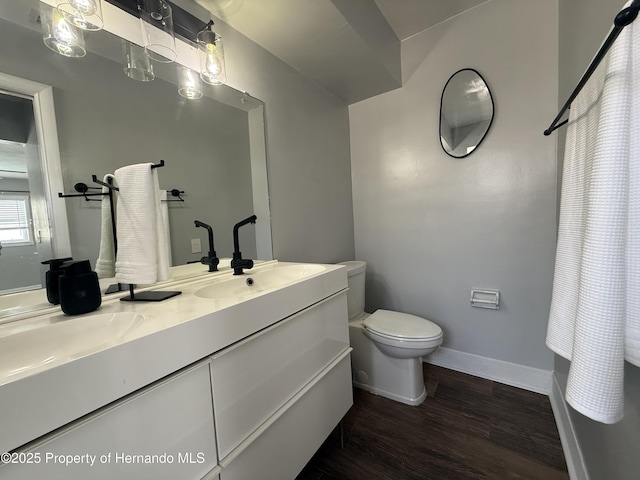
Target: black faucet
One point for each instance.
(211, 260)
(237, 262)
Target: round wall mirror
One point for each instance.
(466, 113)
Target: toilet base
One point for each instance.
(399, 379)
(392, 396)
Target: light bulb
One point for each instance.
(86, 7)
(212, 60)
(84, 14)
(189, 84)
(212, 69)
(61, 36)
(62, 31)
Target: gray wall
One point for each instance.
(432, 227)
(610, 451)
(308, 154)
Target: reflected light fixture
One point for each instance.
(212, 67)
(59, 35)
(136, 63)
(84, 14)
(476, 87)
(156, 21)
(189, 84)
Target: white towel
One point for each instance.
(164, 209)
(106, 263)
(595, 306)
(142, 250)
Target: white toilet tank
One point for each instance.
(355, 297)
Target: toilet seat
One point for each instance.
(406, 346)
(388, 339)
(402, 327)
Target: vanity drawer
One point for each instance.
(255, 377)
(281, 447)
(172, 420)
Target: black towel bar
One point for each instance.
(625, 17)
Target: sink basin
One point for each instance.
(253, 283)
(64, 340)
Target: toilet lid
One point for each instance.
(401, 325)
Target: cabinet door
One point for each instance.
(282, 447)
(164, 431)
(255, 377)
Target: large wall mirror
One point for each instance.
(213, 148)
(466, 113)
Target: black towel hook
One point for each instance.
(82, 188)
(175, 193)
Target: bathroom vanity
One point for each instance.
(229, 380)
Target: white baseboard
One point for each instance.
(570, 446)
(521, 376)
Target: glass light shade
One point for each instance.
(212, 67)
(156, 21)
(84, 14)
(59, 35)
(136, 63)
(189, 84)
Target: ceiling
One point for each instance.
(351, 47)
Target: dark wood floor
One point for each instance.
(467, 428)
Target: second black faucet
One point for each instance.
(237, 262)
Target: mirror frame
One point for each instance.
(493, 112)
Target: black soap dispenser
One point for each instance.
(79, 288)
(52, 276)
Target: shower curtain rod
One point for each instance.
(625, 17)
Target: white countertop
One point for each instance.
(56, 388)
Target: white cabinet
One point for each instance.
(254, 378)
(276, 379)
(165, 431)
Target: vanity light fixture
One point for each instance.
(59, 35)
(189, 84)
(156, 21)
(84, 14)
(162, 21)
(212, 67)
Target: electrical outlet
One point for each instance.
(196, 246)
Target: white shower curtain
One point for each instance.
(594, 319)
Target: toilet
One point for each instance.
(387, 346)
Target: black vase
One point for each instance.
(79, 288)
